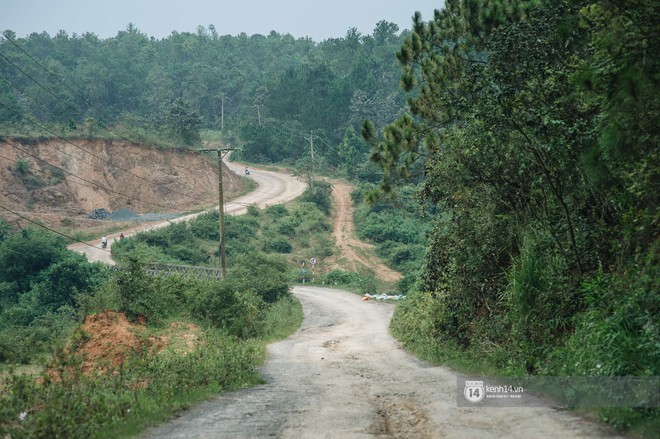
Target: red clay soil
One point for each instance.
(108, 338)
(354, 253)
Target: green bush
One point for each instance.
(206, 226)
(286, 228)
(341, 277)
(320, 195)
(277, 211)
(415, 321)
(231, 306)
(362, 283)
(139, 294)
(619, 333)
(22, 166)
(265, 274)
(278, 245)
(241, 227)
(63, 281)
(391, 226)
(24, 255)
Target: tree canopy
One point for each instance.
(532, 126)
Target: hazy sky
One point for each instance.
(318, 19)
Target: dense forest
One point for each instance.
(520, 138)
(270, 94)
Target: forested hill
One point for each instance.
(272, 89)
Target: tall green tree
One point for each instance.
(184, 122)
(516, 117)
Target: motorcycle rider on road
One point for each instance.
(104, 242)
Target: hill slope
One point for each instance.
(105, 174)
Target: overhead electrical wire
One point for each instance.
(71, 107)
(290, 131)
(90, 183)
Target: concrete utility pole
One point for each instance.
(311, 147)
(222, 113)
(221, 207)
(258, 113)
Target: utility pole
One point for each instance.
(222, 113)
(221, 207)
(311, 148)
(258, 113)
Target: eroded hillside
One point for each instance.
(91, 174)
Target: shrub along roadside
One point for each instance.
(237, 323)
(617, 335)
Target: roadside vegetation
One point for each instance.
(292, 233)
(397, 226)
(49, 293)
(538, 145)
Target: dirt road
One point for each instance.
(274, 187)
(343, 376)
(351, 249)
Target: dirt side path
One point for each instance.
(343, 376)
(352, 249)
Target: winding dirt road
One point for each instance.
(274, 188)
(343, 376)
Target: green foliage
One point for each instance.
(41, 283)
(184, 122)
(537, 140)
(277, 245)
(382, 227)
(320, 194)
(165, 91)
(264, 274)
(231, 306)
(23, 255)
(62, 282)
(5, 229)
(395, 227)
(140, 296)
(148, 389)
(415, 321)
(619, 332)
(175, 243)
(359, 282)
(23, 166)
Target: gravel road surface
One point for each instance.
(343, 376)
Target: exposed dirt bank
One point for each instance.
(104, 174)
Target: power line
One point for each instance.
(91, 183)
